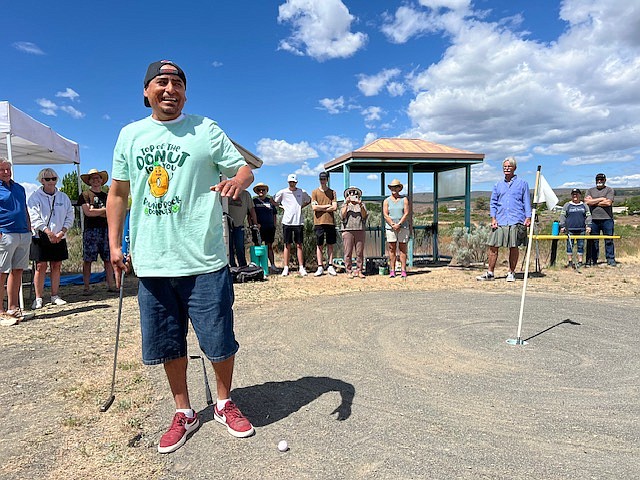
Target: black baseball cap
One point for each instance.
(576, 190)
(601, 175)
(156, 68)
(323, 175)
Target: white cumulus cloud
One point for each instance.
(306, 170)
(68, 93)
(371, 85)
(333, 146)
(321, 29)
(72, 111)
(332, 105)
(498, 92)
(47, 106)
(280, 152)
(372, 114)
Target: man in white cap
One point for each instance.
(292, 200)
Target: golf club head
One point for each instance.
(105, 406)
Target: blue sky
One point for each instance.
(300, 82)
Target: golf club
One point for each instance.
(207, 389)
(125, 250)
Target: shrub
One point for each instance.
(469, 245)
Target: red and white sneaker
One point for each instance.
(231, 416)
(178, 432)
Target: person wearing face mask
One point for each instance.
(600, 201)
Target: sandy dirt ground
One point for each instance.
(56, 368)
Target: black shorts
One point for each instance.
(329, 231)
(46, 251)
(293, 234)
(268, 234)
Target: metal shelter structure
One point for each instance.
(451, 168)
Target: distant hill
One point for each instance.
(563, 193)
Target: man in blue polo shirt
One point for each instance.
(15, 240)
(510, 217)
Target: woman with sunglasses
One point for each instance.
(51, 216)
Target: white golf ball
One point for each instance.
(283, 446)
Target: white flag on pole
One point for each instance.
(545, 194)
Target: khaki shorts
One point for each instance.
(508, 236)
(14, 251)
(401, 235)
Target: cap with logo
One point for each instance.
(576, 190)
(158, 68)
(292, 178)
(601, 176)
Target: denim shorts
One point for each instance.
(167, 305)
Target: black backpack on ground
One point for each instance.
(248, 273)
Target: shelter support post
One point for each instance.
(467, 197)
(410, 195)
(347, 177)
(383, 236)
(434, 237)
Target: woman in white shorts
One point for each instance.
(397, 212)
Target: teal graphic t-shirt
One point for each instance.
(176, 220)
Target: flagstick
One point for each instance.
(518, 340)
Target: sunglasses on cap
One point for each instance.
(353, 193)
(50, 179)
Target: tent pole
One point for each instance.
(9, 153)
(20, 293)
(79, 192)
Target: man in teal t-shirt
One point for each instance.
(168, 162)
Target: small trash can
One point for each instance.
(259, 257)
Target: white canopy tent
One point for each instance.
(25, 141)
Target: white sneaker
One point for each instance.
(302, 272)
(285, 271)
(319, 272)
(37, 303)
(511, 277)
(56, 300)
(332, 271)
(486, 277)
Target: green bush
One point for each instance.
(469, 245)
